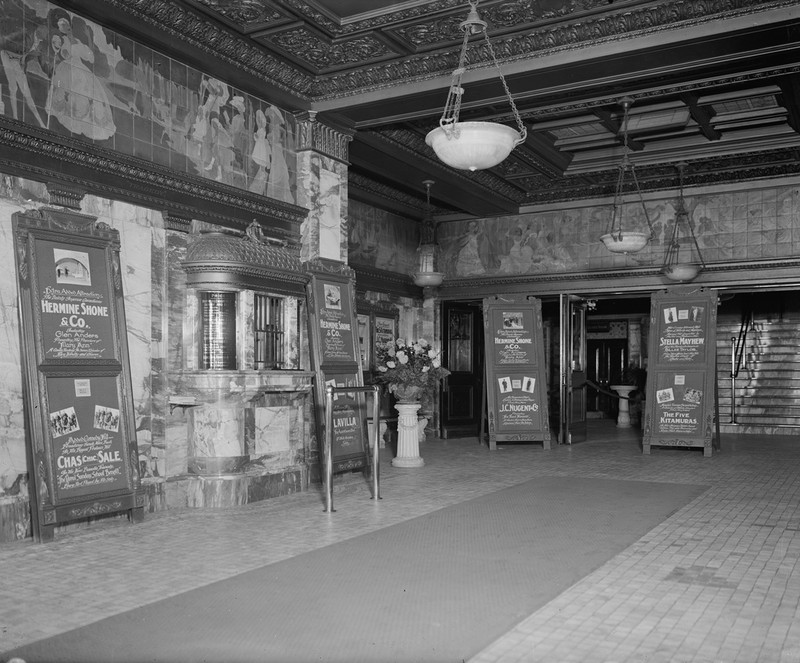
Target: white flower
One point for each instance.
(402, 357)
(391, 364)
(418, 348)
(382, 369)
(425, 369)
(400, 343)
(423, 342)
(436, 363)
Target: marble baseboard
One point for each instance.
(215, 492)
(755, 429)
(15, 520)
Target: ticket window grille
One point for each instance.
(218, 350)
(268, 332)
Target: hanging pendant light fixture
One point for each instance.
(682, 264)
(615, 239)
(427, 276)
(473, 145)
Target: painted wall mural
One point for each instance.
(379, 239)
(64, 73)
(756, 224)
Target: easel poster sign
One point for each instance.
(86, 431)
(681, 383)
(333, 332)
(348, 424)
(76, 370)
(515, 370)
(335, 322)
(518, 398)
(74, 307)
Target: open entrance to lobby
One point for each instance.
(757, 364)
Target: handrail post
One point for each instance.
(376, 450)
(733, 379)
(329, 449)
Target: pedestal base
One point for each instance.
(624, 417)
(407, 436)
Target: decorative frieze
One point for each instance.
(322, 138)
(106, 173)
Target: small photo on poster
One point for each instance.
(106, 418)
(504, 385)
(697, 313)
(528, 384)
(665, 395)
(72, 267)
(333, 296)
(83, 388)
(693, 395)
(64, 422)
(671, 314)
(512, 320)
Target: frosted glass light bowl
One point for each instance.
(628, 241)
(473, 145)
(681, 271)
(428, 279)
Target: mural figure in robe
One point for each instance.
(77, 98)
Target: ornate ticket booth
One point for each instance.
(241, 419)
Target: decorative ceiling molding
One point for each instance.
(237, 52)
(560, 29)
(359, 183)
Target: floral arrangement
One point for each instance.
(411, 365)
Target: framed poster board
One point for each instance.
(680, 407)
(81, 440)
(334, 332)
(515, 370)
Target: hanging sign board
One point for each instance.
(681, 381)
(515, 370)
(82, 449)
(333, 328)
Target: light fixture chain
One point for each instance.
(452, 107)
(522, 130)
(641, 199)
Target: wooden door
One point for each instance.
(572, 366)
(462, 354)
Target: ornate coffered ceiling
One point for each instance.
(714, 84)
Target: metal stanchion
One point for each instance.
(329, 449)
(376, 447)
(328, 444)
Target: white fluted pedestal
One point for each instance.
(407, 436)
(624, 417)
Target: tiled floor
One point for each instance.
(718, 581)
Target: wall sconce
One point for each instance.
(615, 239)
(427, 276)
(473, 145)
(680, 263)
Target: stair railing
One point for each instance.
(738, 345)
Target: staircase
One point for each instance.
(767, 389)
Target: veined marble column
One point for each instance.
(322, 189)
(407, 436)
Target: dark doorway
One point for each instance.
(606, 359)
(462, 353)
